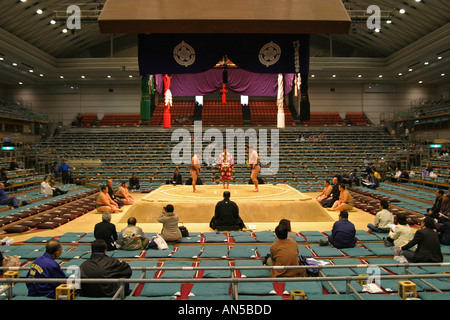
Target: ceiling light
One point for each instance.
(52, 21)
(442, 74)
(420, 81)
(400, 74)
(14, 64)
(20, 82)
(39, 11)
(359, 76)
(1, 58)
(82, 77)
(31, 70)
(41, 75)
(377, 30)
(402, 11)
(380, 76)
(64, 30)
(426, 63)
(130, 76)
(62, 77)
(410, 69)
(334, 76)
(312, 76)
(109, 77)
(439, 58)
(23, 0)
(418, 0)
(389, 21)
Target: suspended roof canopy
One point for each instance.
(218, 16)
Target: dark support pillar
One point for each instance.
(304, 99)
(145, 99)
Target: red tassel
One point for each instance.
(224, 92)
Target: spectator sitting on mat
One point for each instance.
(428, 244)
(134, 182)
(170, 230)
(383, 219)
(342, 234)
(399, 234)
(46, 267)
(106, 231)
(132, 237)
(226, 214)
(9, 201)
(101, 266)
(284, 252)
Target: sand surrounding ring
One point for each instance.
(272, 203)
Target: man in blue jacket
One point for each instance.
(342, 234)
(64, 170)
(46, 267)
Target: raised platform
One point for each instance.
(271, 204)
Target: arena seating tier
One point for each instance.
(87, 119)
(357, 119)
(324, 118)
(264, 113)
(117, 119)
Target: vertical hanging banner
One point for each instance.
(280, 102)
(167, 119)
(145, 98)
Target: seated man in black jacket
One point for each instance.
(436, 208)
(112, 194)
(334, 195)
(428, 244)
(226, 215)
(99, 265)
(106, 231)
(176, 179)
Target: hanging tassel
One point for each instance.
(224, 92)
(167, 119)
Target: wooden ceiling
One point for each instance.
(218, 16)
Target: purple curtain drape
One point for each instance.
(239, 81)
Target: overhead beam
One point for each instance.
(218, 16)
